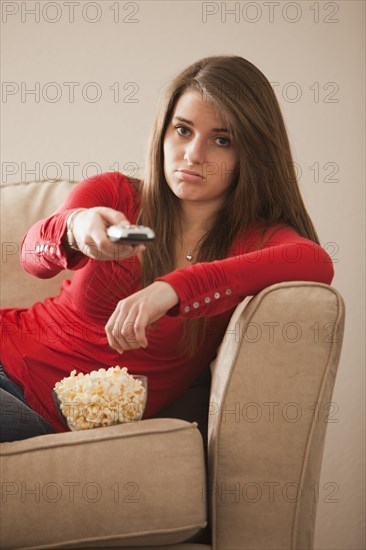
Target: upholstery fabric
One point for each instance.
(275, 389)
(21, 205)
(116, 486)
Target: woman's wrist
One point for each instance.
(170, 294)
(70, 230)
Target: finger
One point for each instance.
(128, 338)
(110, 329)
(99, 247)
(92, 249)
(112, 216)
(119, 251)
(107, 250)
(126, 250)
(139, 248)
(120, 329)
(129, 333)
(112, 342)
(140, 326)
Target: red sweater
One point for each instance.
(44, 343)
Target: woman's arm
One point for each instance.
(210, 288)
(44, 252)
(214, 287)
(107, 198)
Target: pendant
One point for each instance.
(189, 257)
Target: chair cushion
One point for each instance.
(128, 485)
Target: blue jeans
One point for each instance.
(17, 419)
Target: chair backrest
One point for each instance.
(22, 204)
(271, 393)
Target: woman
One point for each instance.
(220, 192)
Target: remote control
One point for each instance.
(130, 233)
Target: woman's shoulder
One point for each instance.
(118, 180)
(119, 190)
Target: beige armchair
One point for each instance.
(145, 485)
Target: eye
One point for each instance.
(227, 144)
(181, 128)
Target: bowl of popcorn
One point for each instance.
(100, 398)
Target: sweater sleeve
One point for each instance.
(211, 288)
(42, 252)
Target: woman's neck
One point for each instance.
(196, 219)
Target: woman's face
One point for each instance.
(197, 140)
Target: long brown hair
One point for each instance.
(264, 188)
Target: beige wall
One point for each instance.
(317, 59)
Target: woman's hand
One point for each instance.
(89, 230)
(126, 326)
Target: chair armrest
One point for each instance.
(272, 384)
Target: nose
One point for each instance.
(195, 152)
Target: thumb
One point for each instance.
(112, 216)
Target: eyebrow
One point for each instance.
(191, 124)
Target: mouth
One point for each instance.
(190, 172)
